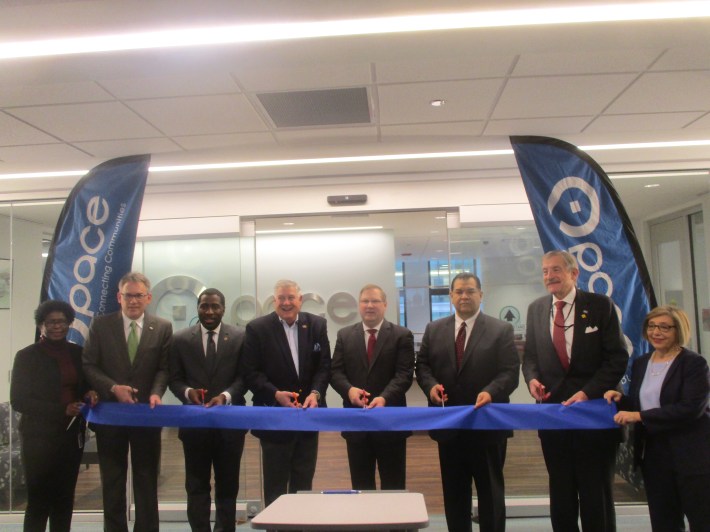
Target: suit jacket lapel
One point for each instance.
(358, 337)
(479, 329)
(282, 342)
(581, 321)
(198, 349)
(382, 336)
(119, 339)
(450, 340)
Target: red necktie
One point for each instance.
(558, 335)
(371, 340)
(460, 344)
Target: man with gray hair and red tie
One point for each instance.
(575, 351)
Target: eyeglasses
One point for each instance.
(661, 327)
(468, 292)
(137, 297)
(56, 323)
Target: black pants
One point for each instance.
(289, 466)
(580, 464)
(113, 444)
(389, 458)
(462, 459)
(51, 465)
(672, 494)
(204, 450)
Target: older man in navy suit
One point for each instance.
(204, 362)
(575, 351)
(470, 359)
(126, 360)
(286, 363)
(373, 364)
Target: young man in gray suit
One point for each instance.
(126, 360)
(470, 359)
(204, 362)
(575, 351)
(372, 366)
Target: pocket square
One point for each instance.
(316, 347)
(591, 329)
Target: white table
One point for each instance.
(344, 511)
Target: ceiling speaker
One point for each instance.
(350, 199)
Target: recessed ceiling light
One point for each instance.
(654, 185)
(437, 103)
(439, 217)
(289, 223)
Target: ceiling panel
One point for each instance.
(54, 93)
(444, 129)
(327, 135)
(559, 95)
(187, 84)
(684, 58)
(13, 132)
(585, 62)
(410, 103)
(61, 154)
(538, 126)
(200, 114)
(669, 91)
(201, 142)
(642, 122)
(303, 77)
(89, 121)
(469, 67)
(115, 148)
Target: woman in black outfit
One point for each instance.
(668, 407)
(47, 388)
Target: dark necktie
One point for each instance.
(371, 341)
(558, 335)
(211, 351)
(460, 344)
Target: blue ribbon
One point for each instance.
(596, 414)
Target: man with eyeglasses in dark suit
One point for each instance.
(126, 360)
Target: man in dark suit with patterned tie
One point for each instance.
(126, 360)
(470, 359)
(372, 366)
(575, 351)
(286, 363)
(204, 362)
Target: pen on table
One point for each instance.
(295, 399)
(202, 394)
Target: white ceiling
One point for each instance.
(587, 84)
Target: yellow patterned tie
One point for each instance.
(132, 342)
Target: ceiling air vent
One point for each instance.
(317, 108)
